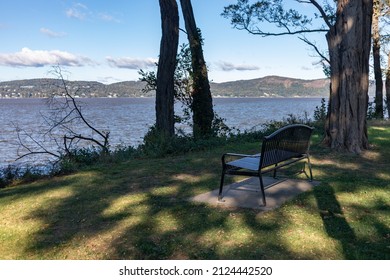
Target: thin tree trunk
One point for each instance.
(388, 86)
(376, 48)
(349, 42)
(202, 106)
(166, 68)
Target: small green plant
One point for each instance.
(320, 112)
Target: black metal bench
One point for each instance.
(285, 146)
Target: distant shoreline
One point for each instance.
(266, 87)
(152, 97)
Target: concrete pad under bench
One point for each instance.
(246, 194)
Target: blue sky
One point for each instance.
(110, 40)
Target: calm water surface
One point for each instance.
(128, 119)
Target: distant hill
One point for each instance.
(270, 86)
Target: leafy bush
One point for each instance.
(156, 145)
(320, 112)
(77, 158)
(8, 175)
(13, 173)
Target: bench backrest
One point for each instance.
(287, 142)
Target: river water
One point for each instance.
(128, 119)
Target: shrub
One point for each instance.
(320, 112)
(8, 175)
(156, 145)
(13, 173)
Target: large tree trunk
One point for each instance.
(166, 68)
(202, 106)
(376, 52)
(349, 42)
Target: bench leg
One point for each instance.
(262, 190)
(309, 165)
(221, 186)
(275, 170)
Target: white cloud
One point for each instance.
(306, 68)
(82, 12)
(78, 11)
(108, 18)
(131, 63)
(227, 66)
(51, 33)
(40, 58)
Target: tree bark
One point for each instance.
(166, 68)
(376, 52)
(349, 42)
(202, 106)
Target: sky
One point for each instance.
(110, 40)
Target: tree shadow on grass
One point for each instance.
(141, 211)
(362, 179)
(198, 232)
(35, 189)
(375, 243)
(333, 219)
(122, 220)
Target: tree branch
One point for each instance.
(66, 113)
(265, 34)
(30, 150)
(324, 16)
(320, 54)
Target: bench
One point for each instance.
(285, 146)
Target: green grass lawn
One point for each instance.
(139, 209)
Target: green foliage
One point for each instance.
(122, 153)
(326, 69)
(255, 18)
(13, 174)
(183, 81)
(154, 145)
(182, 77)
(269, 127)
(8, 175)
(321, 112)
(150, 79)
(261, 18)
(219, 127)
(76, 158)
